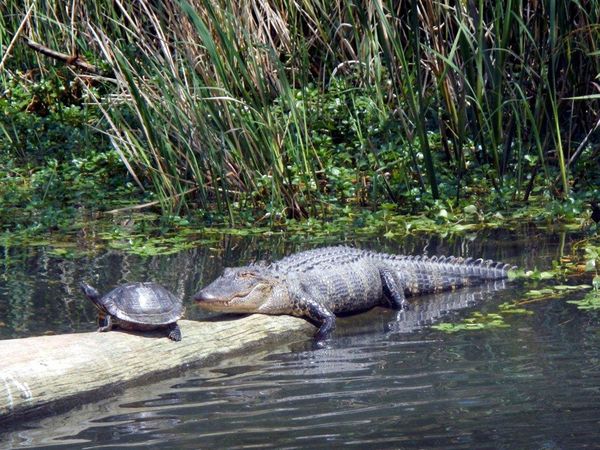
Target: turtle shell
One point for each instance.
(143, 303)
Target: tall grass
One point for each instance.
(209, 107)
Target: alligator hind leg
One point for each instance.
(174, 332)
(393, 291)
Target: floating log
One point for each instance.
(49, 374)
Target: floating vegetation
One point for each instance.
(568, 266)
(484, 321)
(516, 274)
(481, 321)
(477, 321)
(591, 301)
(554, 291)
(145, 246)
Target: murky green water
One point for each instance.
(385, 380)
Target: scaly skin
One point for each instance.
(322, 283)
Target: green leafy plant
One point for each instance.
(485, 321)
(475, 322)
(303, 108)
(555, 291)
(591, 301)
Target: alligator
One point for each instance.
(321, 283)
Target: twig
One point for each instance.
(580, 147)
(14, 39)
(72, 60)
(133, 208)
(74, 11)
(147, 205)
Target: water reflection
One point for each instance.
(384, 381)
(522, 387)
(39, 291)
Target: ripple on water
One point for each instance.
(382, 382)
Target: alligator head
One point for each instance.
(239, 290)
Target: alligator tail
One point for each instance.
(422, 274)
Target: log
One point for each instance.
(50, 374)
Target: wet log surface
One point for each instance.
(48, 374)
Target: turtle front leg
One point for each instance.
(108, 323)
(174, 332)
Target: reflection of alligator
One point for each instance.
(436, 306)
(317, 284)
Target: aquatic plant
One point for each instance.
(591, 301)
(283, 109)
(484, 321)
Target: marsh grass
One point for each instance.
(212, 103)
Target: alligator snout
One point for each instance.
(204, 296)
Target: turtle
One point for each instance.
(137, 306)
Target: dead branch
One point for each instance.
(71, 60)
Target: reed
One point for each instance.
(208, 106)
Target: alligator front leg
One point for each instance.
(393, 291)
(316, 313)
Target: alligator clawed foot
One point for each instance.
(321, 344)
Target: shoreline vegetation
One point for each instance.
(306, 115)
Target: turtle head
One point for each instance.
(91, 293)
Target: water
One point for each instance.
(384, 381)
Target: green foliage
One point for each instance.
(591, 301)
(358, 148)
(45, 119)
(483, 321)
(48, 196)
(554, 291)
(534, 274)
(476, 322)
(592, 258)
(143, 245)
(52, 162)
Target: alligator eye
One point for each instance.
(246, 275)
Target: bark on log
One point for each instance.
(47, 374)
